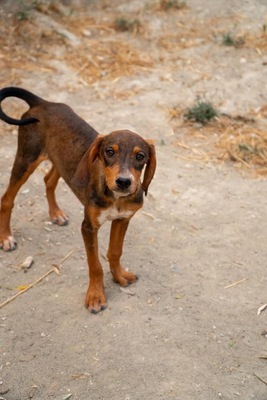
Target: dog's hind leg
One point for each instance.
(20, 173)
(56, 214)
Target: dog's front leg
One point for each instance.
(117, 234)
(95, 299)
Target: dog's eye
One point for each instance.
(140, 156)
(110, 152)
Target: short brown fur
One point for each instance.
(104, 172)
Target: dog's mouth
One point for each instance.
(117, 192)
(123, 192)
(120, 193)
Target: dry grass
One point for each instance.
(104, 53)
(238, 139)
(99, 55)
(166, 5)
(109, 59)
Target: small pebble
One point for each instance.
(27, 263)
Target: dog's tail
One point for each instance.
(23, 94)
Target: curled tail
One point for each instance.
(23, 94)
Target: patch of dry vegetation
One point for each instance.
(103, 48)
(97, 55)
(238, 139)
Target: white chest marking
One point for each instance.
(113, 213)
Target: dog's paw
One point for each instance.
(8, 243)
(58, 217)
(123, 277)
(95, 300)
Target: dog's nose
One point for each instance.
(123, 183)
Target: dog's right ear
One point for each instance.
(150, 167)
(82, 175)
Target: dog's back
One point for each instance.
(50, 130)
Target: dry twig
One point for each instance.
(56, 268)
(260, 379)
(235, 283)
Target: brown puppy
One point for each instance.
(104, 172)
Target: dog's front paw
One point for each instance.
(7, 243)
(95, 300)
(123, 277)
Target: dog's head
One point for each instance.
(123, 155)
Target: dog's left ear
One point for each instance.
(150, 167)
(82, 175)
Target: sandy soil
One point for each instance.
(179, 332)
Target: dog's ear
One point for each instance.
(150, 167)
(82, 175)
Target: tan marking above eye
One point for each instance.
(137, 149)
(111, 150)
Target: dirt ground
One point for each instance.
(180, 332)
